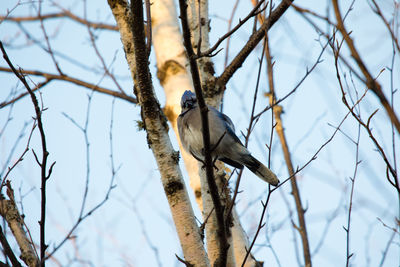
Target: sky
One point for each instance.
(134, 226)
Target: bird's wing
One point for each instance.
(230, 128)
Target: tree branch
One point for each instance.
(277, 111)
(50, 77)
(370, 80)
(253, 41)
(253, 12)
(43, 164)
(65, 14)
(219, 209)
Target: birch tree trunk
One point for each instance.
(172, 72)
(173, 75)
(199, 24)
(200, 27)
(132, 37)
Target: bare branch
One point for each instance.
(103, 63)
(82, 214)
(49, 77)
(353, 179)
(19, 159)
(49, 49)
(64, 14)
(370, 80)
(392, 171)
(378, 11)
(148, 28)
(219, 209)
(8, 250)
(277, 111)
(252, 13)
(45, 154)
(260, 223)
(253, 41)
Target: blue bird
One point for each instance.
(225, 145)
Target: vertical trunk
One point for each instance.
(199, 24)
(132, 29)
(173, 75)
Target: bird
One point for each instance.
(224, 144)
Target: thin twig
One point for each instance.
(14, 147)
(19, 159)
(247, 137)
(370, 80)
(378, 11)
(347, 229)
(390, 169)
(308, 71)
(229, 28)
(43, 164)
(252, 13)
(99, 55)
(385, 251)
(260, 224)
(329, 38)
(314, 156)
(277, 111)
(82, 214)
(46, 37)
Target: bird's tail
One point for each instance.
(260, 170)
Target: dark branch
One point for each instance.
(370, 80)
(8, 250)
(45, 154)
(253, 41)
(252, 13)
(219, 209)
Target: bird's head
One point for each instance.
(188, 100)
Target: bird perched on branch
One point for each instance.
(224, 144)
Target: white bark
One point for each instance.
(206, 66)
(173, 75)
(241, 242)
(199, 28)
(157, 133)
(209, 215)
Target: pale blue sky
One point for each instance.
(137, 212)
